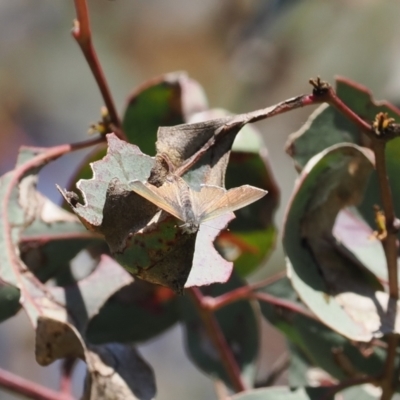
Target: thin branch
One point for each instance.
(243, 119)
(216, 336)
(29, 389)
(380, 132)
(45, 155)
(325, 93)
(282, 303)
(244, 292)
(388, 378)
(389, 242)
(82, 34)
(248, 292)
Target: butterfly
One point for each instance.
(193, 207)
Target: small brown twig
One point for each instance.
(382, 124)
(248, 293)
(389, 242)
(82, 34)
(244, 292)
(243, 119)
(29, 389)
(325, 93)
(8, 380)
(216, 336)
(380, 132)
(284, 304)
(44, 156)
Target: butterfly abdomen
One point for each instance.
(191, 223)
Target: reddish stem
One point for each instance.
(29, 389)
(248, 292)
(216, 336)
(282, 303)
(244, 292)
(45, 156)
(82, 34)
(390, 247)
(253, 116)
(331, 98)
(389, 243)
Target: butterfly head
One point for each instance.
(190, 227)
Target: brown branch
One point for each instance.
(82, 34)
(325, 93)
(389, 242)
(244, 292)
(380, 132)
(45, 155)
(243, 119)
(285, 304)
(216, 336)
(388, 379)
(29, 389)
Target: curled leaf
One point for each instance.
(339, 289)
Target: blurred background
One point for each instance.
(247, 54)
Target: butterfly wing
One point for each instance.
(203, 200)
(227, 201)
(165, 197)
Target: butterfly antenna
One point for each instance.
(167, 160)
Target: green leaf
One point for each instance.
(253, 224)
(282, 393)
(248, 249)
(327, 126)
(9, 301)
(136, 313)
(53, 239)
(340, 291)
(164, 101)
(372, 193)
(363, 392)
(239, 324)
(298, 367)
(317, 344)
